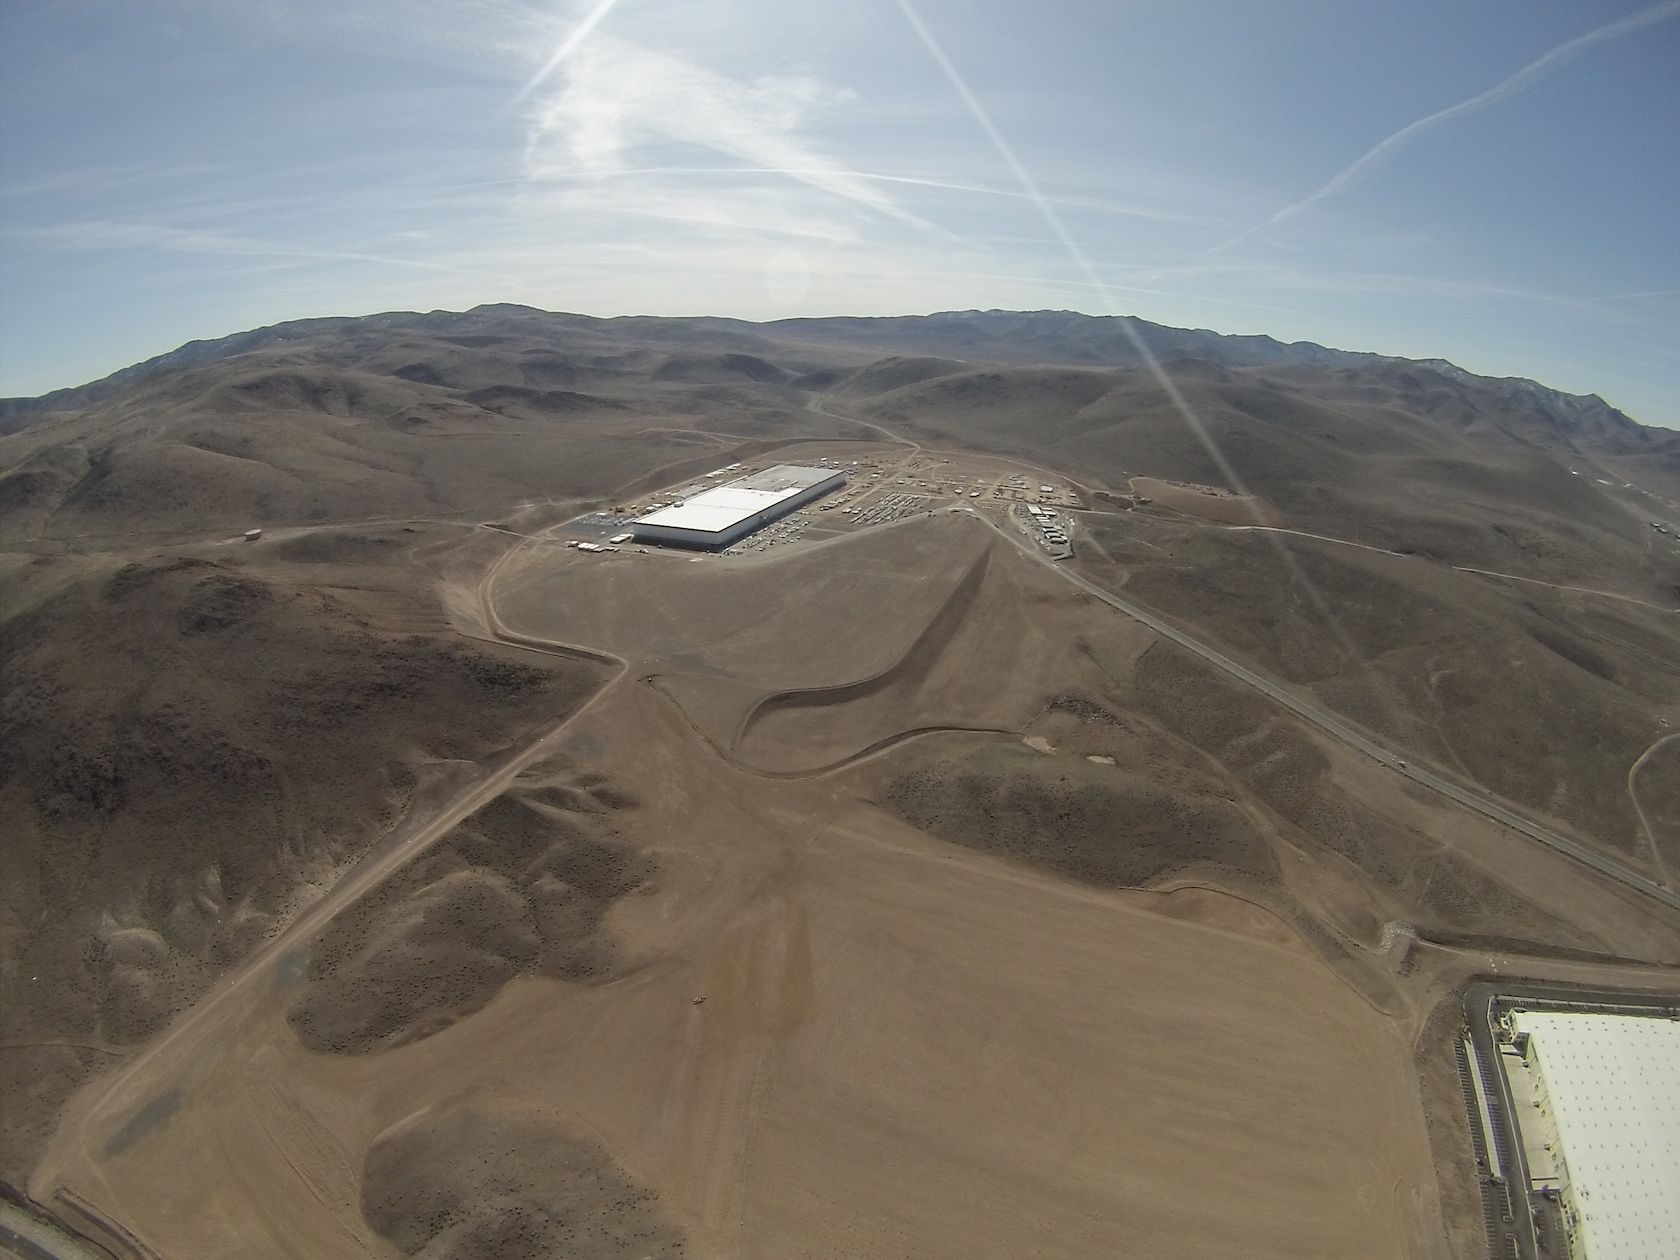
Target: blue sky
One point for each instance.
(1497, 183)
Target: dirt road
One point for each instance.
(402, 845)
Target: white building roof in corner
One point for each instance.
(1614, 1084)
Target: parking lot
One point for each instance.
(786, 530)
(889, 508)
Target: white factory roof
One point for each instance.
(1614, 1084)
(713, 511)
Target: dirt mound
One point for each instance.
(184, 743)
(519, 888)
(490, 1180)
(222, 601)
(1094, 823)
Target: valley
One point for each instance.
(885, 884)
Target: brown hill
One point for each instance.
(199, 738)
(187, 743)
(449, 413)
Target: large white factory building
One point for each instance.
(714, 518)
(1605, 1095)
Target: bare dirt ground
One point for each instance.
(197, 742)
(409, 884)
(741, 1009)
(1108, 1072)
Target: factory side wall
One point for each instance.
(674, 536)
(671, 536)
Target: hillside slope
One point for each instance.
(450, 413)
(196, 736)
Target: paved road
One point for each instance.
(26, 1238)
(1520, 1229)
(24, 1248)
(1338, 729)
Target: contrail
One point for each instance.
(917, 181)
(579, 33)
(1509, 86)
(1054, 221)
(1175, 396)
(1642, 293)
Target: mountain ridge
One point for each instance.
(1049, 337)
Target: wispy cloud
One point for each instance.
(1273, 275)
(572, 41)
(1098, 205)
(139, 238)
(619, 96)
(1638, 295)
(1507, 87)
(703, 210)
(1075, 252)
(106, 180)
(1192, 420)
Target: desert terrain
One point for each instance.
(407, 882)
